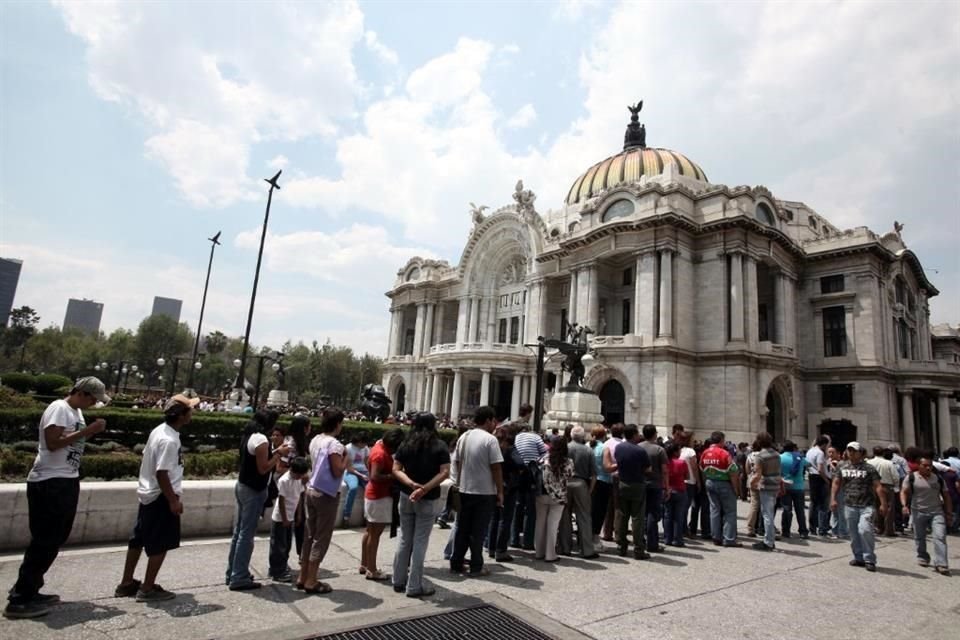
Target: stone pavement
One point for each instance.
(805, 589)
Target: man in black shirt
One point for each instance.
(860, 482)
(632, 467)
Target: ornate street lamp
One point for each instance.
(214, 241)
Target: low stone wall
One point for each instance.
(107, 511)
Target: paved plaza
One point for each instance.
(697, 592)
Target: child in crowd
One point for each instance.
(289, 489)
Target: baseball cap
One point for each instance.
(93, 386)
(180, 399)
(856, 445)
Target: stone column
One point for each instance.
(735, 297)
(428, 330)
(645, 293)
(485, 387)
(515, 397)
(779, 310)
(490, 322)
(435, 393)
(943, 421)
(398, 333)
(588, 296)
(391, 342)
(438, 330)
(543, 311)
(418, 330)
(572, 299)
(462, 317)
(751, 310)
(448, 395)
(666, 293)
(474, 332)
(789, 312)
(906, 407)
(455, 399)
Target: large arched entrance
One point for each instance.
(775, 416)
(400, 404)
(612, 400)
(841, 432)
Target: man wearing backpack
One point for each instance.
(925, 497)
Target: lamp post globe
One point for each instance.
(588, 360)
(237, 363)
(104, 365)
(198, 365)
(96, 367)
(161, 361)
(275, 366)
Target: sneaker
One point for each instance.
(284, 578)
(426, 592)
(942, 571)
(127, 590)
(761, 546)
(923, 563)
(157, 594)
(643, 555)
(399, 588)
(804, 536)
(503, 557)
(245, 586)
(871, 567)
(25, 610)
(47, 599)
(857, 563)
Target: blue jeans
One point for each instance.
(723, 510)
(768, 509)
(838, 519)
(938, 526)
(860, 524)
(675, 518)
(416, 523)
(525, 518)
(654, 505)
(819, 505)
(249, 505)
(500, 524)
(354, 483)
(792, 502)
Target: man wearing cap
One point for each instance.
(157, 529)
(859, 482)
(53, 490)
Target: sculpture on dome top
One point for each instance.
(476, 213)
(636, 135)
(897, 227)
(524, 199)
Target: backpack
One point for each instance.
(535, 472)
(910, 481)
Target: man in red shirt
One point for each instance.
(378, 501)
(723, 485)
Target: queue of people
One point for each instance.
(511, 487)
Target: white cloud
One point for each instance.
(207, 91)
(385, 53)
(510, 49)
(573, 10)
(524, 117)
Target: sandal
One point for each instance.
(379, 576)
(320, 587)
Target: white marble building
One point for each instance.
(716, 307)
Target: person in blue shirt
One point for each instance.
(792, 466)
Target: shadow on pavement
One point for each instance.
(352, 600)
(185, 605)
(798, 554)
(660, 559)
(899, 572)
(69, 614)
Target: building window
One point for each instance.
(473, 393)
(515, 298)
(903, 337)
(831, 284)
(618, 209)
(514, 330)
(551, 381)
(764, 214)
(763, 323)
(564, 325)
(504, 301)
(911, 302)
(900, 290)
(913, 345)
(413, 274)
(627, 277)
(502, 333)
(408, 342)
(834, 332)
(836, 395)
(813, 222)
(565, 290)
(625, 321)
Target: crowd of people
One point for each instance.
(552, 494)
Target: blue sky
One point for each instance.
(130, 132)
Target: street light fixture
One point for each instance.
(256, 278)
(214, 241)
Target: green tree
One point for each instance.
(216, 342)
(22, 326)
(161, 336)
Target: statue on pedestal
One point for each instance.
(375, 403)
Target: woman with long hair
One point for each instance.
(297, 436)
(322, 499)
(256, 463)
(357, 475)
(420, 464)
(557, 469)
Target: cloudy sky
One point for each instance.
(130, 132)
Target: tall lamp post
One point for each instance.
(256, 279)
(214, 241)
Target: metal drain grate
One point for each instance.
(477, 623)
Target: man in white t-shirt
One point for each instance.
(477, 463)
(53, 490)
(157, 529)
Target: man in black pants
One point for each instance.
(477, 471)
(53, 490)
(819, 487)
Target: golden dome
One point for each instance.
(627, 167)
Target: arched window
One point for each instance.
(764, 215)
(618, 209)
(413, 274)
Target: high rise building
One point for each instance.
(167, 307)
(84, 315)
(9, 277)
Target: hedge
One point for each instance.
(14, 465)
(130, 427)
(22, 382)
